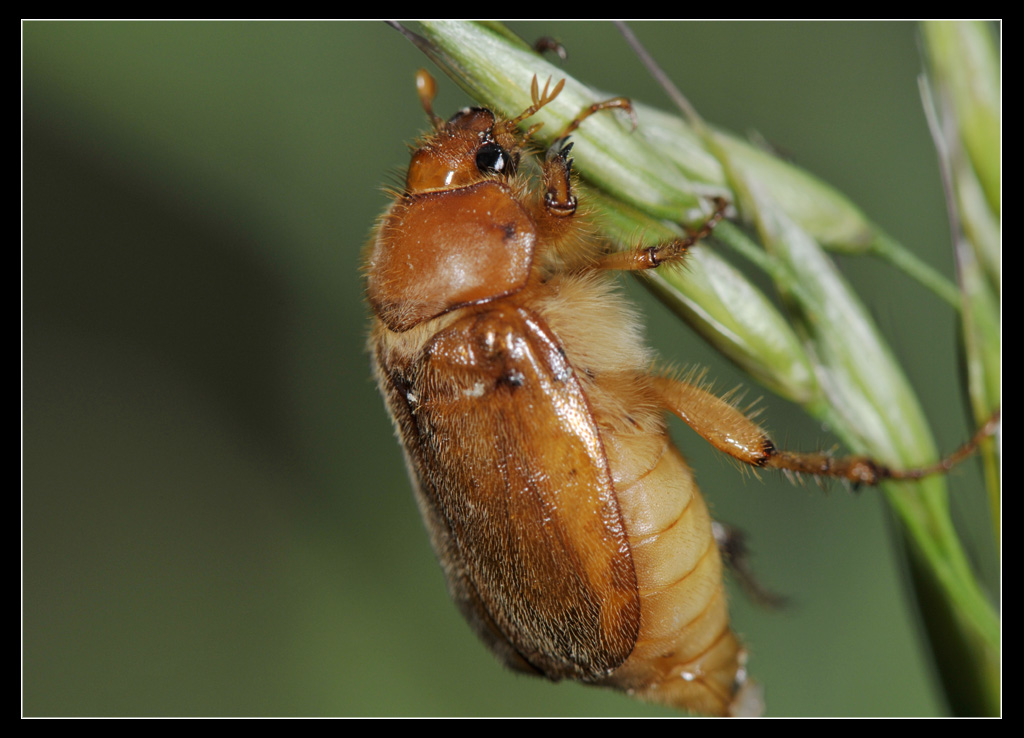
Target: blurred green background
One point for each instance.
(216, 517)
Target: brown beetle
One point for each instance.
(571, 531)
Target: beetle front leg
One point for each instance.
(558, 196)
(559, 200)
(615, 103)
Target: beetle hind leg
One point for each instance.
(732, 432)
(736, 556)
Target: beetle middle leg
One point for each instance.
(650, 257)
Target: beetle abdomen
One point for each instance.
(686, 654)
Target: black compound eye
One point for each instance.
(491, 158)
